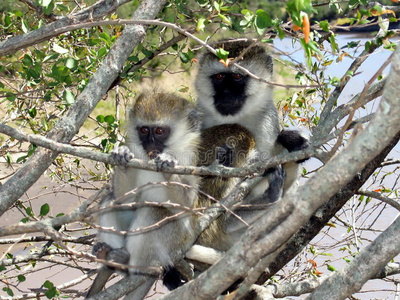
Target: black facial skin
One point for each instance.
(230, 89)
(153, 139)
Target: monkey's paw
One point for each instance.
(292, 140)
(165, 160)
(101, 250)
(122, 155)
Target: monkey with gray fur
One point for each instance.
(227, 95)
(166, 129)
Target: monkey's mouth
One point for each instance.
(226, 105)
(153, 154)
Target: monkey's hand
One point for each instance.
(122, 154)
(165, 160)
(276, 179)
(104, 251)
(292, 140)
(225, 155)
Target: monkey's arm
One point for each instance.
(292, 140)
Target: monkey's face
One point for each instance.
(229, 92)
(226, 94)
(153, 139)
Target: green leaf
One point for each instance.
(44, 209)
(100, 118)
(324, 25)
(48, 284)
(263, 19)
(147, 53)
(71, 63)
(216, 6)
(225, 19)
(29, 212)
(8, 291)
(50, 294)
(24, 26)
(32, 112)
(201, 24)
(45, 2)
(222, 54)
(331, 268)
(184, 57)
(27, 60)
(109, 119)
(134, 58)
(101, 52)
(21, 278)
(59, 49)
(68, 97)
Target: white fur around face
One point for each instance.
(258, 115)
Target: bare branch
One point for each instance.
(380, 197)
(217, 170)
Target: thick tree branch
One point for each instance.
(364, 266)
(94, 12)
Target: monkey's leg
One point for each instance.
(104, 251)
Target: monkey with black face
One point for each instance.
(227, 95)
(163, 128)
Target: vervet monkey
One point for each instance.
(166, 129)
(227, 95)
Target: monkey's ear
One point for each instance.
(195, 119)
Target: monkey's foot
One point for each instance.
(103, 251)
(122, 155)
(120, 255)
(165, 160)
(276, 179)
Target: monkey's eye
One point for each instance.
(237, 76)
(144, 130)
(219, 76)
(160, 130)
